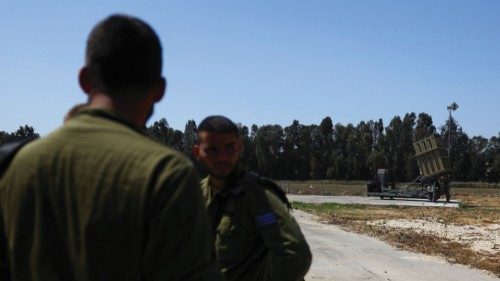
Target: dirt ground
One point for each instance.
(469, 234)
(340, 254)
(479, 238)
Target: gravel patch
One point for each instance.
(479, 238)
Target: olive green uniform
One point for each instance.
(97, 200)
(256, 237)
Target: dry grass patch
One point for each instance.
(452, 251)
(474, 211)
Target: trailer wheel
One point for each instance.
(382, 197)
(391, 198)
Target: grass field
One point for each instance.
(479, 207)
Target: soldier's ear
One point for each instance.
(159, 89)
(84, 80)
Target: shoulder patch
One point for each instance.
(267, 219)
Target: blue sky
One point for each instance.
(269, 62)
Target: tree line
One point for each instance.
(349, 152)
(341, 152)
(23, 132)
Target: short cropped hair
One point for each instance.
(123, 53)
(218, 124)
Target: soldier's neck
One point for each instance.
(217, 184)
(134, 112)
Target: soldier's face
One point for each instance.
(218, 152)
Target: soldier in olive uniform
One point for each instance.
(256, 237)
(97, 199)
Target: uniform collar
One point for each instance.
(109, 114)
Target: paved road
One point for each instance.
(341, 255)
(371, 201)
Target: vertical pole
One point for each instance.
(449, 133)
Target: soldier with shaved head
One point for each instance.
(97, 199)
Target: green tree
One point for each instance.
(268, 141)
(297, 151)
(4, 137)
(376, 160)
(377, 129)
(24, 132)
(425, 126)
(322, 145)
(342, 158)
(159, 130)
(248, 160)
(460, 152)
(492, 155)
(189, 138)
(162, 132)
(407, 137)
(393, 149)
(364, 143)
(478, 155)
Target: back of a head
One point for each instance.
(123, 55)
(218, 124)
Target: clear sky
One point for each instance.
(269, 62)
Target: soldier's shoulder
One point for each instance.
(173, 159)
(262, 188)
(10, 151)
(254, 183)
(30, 150)
(142, 147)
(158, 147)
